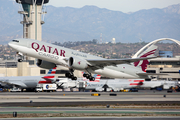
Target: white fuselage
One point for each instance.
(22, 81)
(118, 84)
(60, 55)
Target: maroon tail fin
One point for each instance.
(147, 53)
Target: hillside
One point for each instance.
(83, 24)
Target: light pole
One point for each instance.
(6, 64)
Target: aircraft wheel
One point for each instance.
(85, 75)
(20, 60)
(74, 78)
(88, 76)
(92, 79)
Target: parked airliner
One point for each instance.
(29, 82)
(119, 84)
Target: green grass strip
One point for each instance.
(99, 112)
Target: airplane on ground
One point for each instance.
(120, 84)
(65, 83)
(50, 55)
(29, 82)
(114, 84)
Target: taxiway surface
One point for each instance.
(64, 102)
(70, 98)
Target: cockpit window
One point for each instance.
(15, 40)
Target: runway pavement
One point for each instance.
(149, 102)
(143, 96)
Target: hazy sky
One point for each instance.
(117, 5)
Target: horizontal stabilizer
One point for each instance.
(50, 76)
(49, 79)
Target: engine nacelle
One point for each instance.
(77, 63)
(45, 64)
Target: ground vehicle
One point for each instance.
(124, 90)
(178, 89)
(133, 90)
(158, 88)
(170, 91)
(46, 88)
(15, 90)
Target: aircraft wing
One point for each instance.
(108, 62)
(151, 74)
(21, 84)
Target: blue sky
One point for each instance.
(117, 5)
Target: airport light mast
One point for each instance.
(32, 18)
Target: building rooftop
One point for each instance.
(174, 59)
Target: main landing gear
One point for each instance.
(71, 75)
(89, 76)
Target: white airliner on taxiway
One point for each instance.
(114, 84)
(50, 55)
(119, 84)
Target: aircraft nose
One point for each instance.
(12, 45)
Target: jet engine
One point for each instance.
(77, 63)
(45, 64)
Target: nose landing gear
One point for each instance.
(20, 57)
(20, 60)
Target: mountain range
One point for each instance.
(64, 24)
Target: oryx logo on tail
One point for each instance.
(147, 53)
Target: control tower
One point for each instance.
(32, 11)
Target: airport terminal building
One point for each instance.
(169, 66)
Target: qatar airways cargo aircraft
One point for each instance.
(50, 55)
